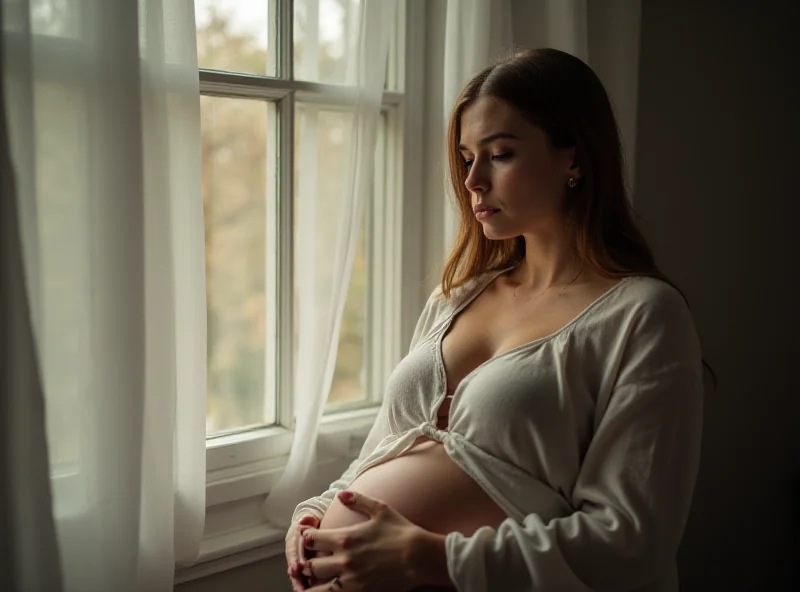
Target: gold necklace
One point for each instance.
(548, 287)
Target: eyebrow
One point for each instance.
(491, 138)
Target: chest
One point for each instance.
(494, 324)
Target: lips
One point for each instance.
(485, 213)
(484, 208)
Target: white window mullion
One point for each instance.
(375, 339)
(232, 84)
(284, 376)
(229, 84)
(273, 40)
(285, 262)
(395, 261)
(409, 137)
(285, 39)
(272, 295)
(392, 278)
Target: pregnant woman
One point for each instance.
(543, 431)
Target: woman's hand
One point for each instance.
(379, 554)
(295, 553)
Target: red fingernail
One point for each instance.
(346, 496)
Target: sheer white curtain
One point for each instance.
(28, 551)
(603, 34)
(323, 267)
(102, 104)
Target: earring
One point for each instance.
(572, 183)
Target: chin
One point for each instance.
(496, 234)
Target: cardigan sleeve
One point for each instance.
(318, 505)
(634, 488)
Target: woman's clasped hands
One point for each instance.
(383, 553)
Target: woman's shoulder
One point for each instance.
(651, 297)
(654, 330)
(650, 313)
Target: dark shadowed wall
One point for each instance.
(717, 183)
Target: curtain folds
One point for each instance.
(102, 105)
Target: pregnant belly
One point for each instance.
(426, 487)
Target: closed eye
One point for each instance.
(503, 156)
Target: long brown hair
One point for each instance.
(560, 94)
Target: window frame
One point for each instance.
(285, 93)
(241, 467)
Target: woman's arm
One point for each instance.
(634, 490)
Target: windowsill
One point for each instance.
(246, 469)
(234, 549)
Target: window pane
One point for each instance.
(321, 145)
(322, 29)
(349, 378)
(235, 135)
(236, 35)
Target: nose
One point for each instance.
(477, 180)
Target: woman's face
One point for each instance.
(512, 169)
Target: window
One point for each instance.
(268, 71)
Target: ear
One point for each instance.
(573, 169)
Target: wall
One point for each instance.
(717, 186)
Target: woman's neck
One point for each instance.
(550, 260)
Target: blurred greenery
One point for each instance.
(234, 180)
